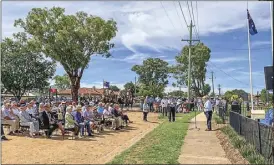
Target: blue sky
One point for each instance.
(146, 30)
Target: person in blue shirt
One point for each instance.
(100, 108)
(80, 120)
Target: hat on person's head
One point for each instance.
(47, 105)
(78, 107)
(206, 97)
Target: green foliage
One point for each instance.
(236, 92)
(153, 76)
(22, 68)
(114, 88)
(247, 150)
(160, 146)
(69, 39)
(199, 56)
(130, 86)
(264, 97)
(62, 82)
(177, 93)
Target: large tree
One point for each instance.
(23, 69)
(69, 39)
(200, 55)
(153, 76)
(62, 82)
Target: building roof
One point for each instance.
(85, 91)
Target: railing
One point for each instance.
(255, 133)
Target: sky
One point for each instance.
(155, 29)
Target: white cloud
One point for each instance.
(228, 59)
(260, 43)
(233, 69)
(146, 23)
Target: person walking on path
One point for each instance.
(172, 105)
(145, 109)
(208, 112)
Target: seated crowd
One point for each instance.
(67, 117)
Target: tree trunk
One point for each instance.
(75, 85)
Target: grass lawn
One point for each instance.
(160, 146)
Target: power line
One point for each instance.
(197, 15)
(194, 20)
(177, 13)
(191, 17)
(263, 48)
(183, 15)
(229, 75)
(167, 15)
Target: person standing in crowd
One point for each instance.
(150, 103)
(208, 112)
(179, 105)
(199, 104)
(172, 106)
(145, 109)
(141, 102)
(157, 103)
(164, 103)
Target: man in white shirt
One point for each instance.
(9, 118)
(172, 105)
(164, 103)
(208, 112)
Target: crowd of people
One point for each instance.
(65, 116)
(170, 105)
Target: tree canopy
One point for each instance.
(69, 39)
(153, 76)
(114, 88)
(23, 69)
(266, 96)
(200, 55)
(62, 82)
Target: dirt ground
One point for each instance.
(232, 153)
(95, 150)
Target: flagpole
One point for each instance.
(250, 64)
(271, 18)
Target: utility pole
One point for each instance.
(212, 83)
(219, 88)
(190, 40)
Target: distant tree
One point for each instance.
(177, 93)
(199, 56)
(206, 89)
(114, 88)
(23, 69)
(62, 82)
(153, 76)
(131, 87)
(69, 39)
(264, 97)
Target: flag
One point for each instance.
(251, 24)
(53, 90)
(106, 84)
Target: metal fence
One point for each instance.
(255, 133)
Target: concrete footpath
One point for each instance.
(200, 146)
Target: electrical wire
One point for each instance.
(183, 15)
(229, 75)
(178, 14)
(167, 15)
(195, 29)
